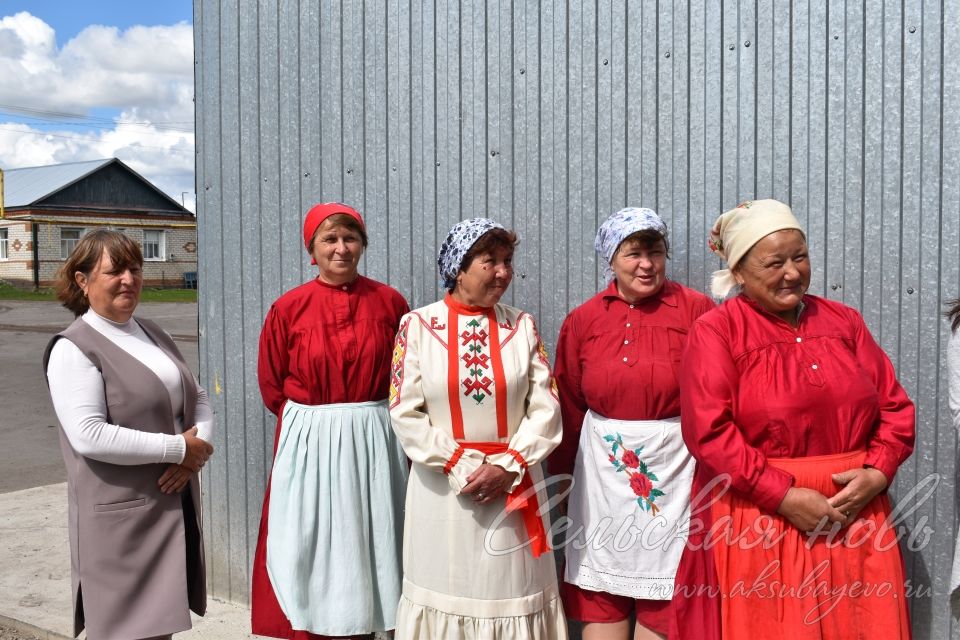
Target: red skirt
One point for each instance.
(266, 616)
(754, 575)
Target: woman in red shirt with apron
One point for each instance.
(618, 359)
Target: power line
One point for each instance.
(101, 125)
(59, 115)
(57, 135)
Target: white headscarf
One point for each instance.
(620, 225)
(737, 230)
(462, 236)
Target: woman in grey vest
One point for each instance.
(135, 428)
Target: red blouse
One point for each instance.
(621, 360)
(753, 386)
(325, 344)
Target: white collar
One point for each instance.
(107, 326)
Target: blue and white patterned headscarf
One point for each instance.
(624, 223)
(462, 236)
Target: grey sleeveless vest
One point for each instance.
(136, 553)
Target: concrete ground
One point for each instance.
(34, 553)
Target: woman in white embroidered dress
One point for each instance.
(474, 405)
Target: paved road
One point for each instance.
(29, 444)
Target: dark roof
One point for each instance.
(30, 186)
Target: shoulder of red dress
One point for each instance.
(298, 293)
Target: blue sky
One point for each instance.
(89, 79)
(70, 17)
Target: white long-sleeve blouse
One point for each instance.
(76, 387)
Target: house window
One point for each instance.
(4, 240)
(153, 248)
(68, 240)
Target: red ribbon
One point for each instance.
(522, 499)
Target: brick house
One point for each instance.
(47, 209)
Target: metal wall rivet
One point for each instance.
(836, 37)
(913, 29)
(747, 43)
(834, 287)
(437, 163)
(493, 153)
(393, 168)
(732, 47)
(306, 175)
(910, 290)
(522, 71)
(666, 55)
(349, 171)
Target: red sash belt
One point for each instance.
(522, 499)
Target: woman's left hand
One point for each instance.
(488, 483)
(174, 479)
(861, 485)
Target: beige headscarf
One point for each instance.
(737, 230)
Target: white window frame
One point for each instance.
(160, 242)
(64, 250)
(4, 244)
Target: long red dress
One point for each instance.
(622, 361)
(320, 344)
(755, 389)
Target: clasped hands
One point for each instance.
(176, 477)
(488, 483)
(806, 509)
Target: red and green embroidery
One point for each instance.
(640, 477)
(396, 363)
(477, 384)
(545, 359)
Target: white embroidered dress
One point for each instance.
(465, 375)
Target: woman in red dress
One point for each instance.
(798, 425)
(617, 363)
(328, 556)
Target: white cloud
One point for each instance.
(146, 73)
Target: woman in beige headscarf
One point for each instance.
(798, 425)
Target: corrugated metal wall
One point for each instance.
(549, 116)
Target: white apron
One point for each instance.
(336, 518)
(630, 507)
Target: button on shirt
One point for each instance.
(324, 344)
(756, 387)
(621, 360)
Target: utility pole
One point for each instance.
(2, 214)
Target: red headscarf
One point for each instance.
(320, 212)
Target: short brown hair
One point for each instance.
(341, 220)
(645, 238)
(85, 257)
(494, 239)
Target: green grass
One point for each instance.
(8, 292)
(168, 295)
